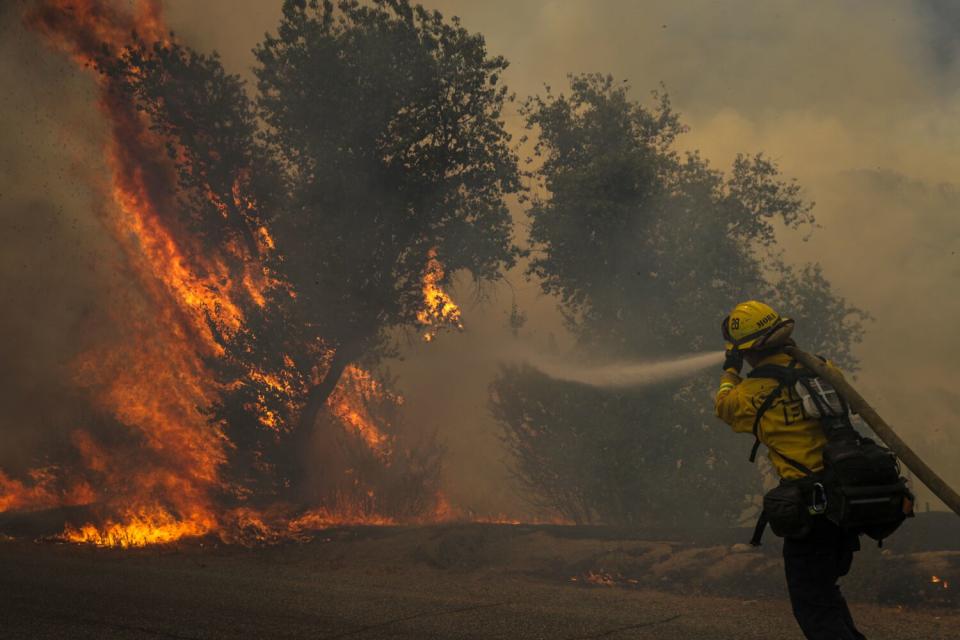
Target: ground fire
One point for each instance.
(939, 581)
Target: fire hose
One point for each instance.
(859, 406)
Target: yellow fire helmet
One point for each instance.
(755, 325)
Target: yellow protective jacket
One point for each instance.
(784, 427)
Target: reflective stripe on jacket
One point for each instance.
(784, 427)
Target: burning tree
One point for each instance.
(386, 120)
(274, 245)
(646, 249)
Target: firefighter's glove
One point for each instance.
(733, 362)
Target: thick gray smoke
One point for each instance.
(871, 148)
(627, 373)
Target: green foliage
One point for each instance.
(386, 119)
(632, 233)
(599, 456)
(647, 249)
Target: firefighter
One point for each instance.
(813, 563)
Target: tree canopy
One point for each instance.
(386, 121)
(646, 250)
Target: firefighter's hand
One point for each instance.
(733, 362)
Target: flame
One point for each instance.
(42, 493)
(324, 519)
(81, 26)
(439, 309)
(282, 383)
(350, 403)
(937, 580)
(153, 525)
(155, 380)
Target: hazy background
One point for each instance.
(859, 101)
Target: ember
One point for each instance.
(602, 578)
(940, 581)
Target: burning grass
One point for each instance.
(140, 529)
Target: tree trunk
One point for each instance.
(318, 394)
(859, 406)
(300, 464)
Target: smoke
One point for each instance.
(627, 374)
(856, 100)
(56, 266)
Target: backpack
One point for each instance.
(860, 487)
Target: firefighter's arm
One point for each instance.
(727, 399)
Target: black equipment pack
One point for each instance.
(860, 487)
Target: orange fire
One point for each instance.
(937, 580)
(350, 402)
(324, 519)
(42, 493)
(140, 528)
(155, 379)
(439, 309)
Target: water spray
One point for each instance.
(621, 374)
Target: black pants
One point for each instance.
(813, 565)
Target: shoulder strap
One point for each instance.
(789, 374)
(784, 375)
(767, 402)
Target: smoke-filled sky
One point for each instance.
(859, 101)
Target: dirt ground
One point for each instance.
(454, 581)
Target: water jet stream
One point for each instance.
(626, 373)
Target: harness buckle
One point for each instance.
(819, 500)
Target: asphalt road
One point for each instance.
(341, 589)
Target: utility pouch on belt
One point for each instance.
(787, 511)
